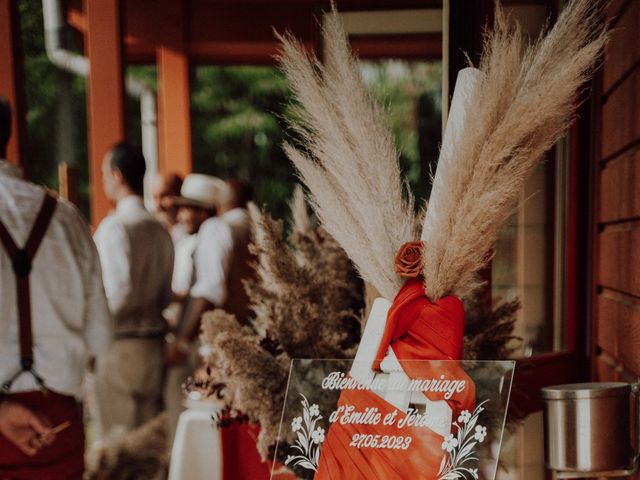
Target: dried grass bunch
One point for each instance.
(141, 453)
(524, 102)
(347, 157)
(306, 300)
(307, 296)
(488, 332)
(250, 378)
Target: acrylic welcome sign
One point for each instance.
(440, 420)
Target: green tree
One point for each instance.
(238, 130)
(238, 125)
(56, 109)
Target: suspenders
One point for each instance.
(21, 260)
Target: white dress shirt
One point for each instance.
(212, 259)
(183, 274)
(136, 253)
(69, 312)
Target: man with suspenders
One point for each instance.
(53, 318)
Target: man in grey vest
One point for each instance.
(136, 253)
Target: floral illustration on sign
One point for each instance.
(459, 447)
(310, 436)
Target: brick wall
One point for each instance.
(617, 183)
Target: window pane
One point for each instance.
(411, 94)
(528, 259)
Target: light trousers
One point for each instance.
(128, 383)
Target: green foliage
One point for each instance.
(238, 130)
(411, 93)
(56, 109)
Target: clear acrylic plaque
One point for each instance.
(440, 420)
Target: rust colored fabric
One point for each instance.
(420, 329)
(341, 461)
(64, 460)
(416, 329)
(240, 459)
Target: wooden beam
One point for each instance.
(12, 80)
(424, 46)
(174, 99)
(68, 182)
(106, 93)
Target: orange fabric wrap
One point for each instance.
(416, 329)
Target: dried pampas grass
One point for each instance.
(488, 332)
(306, 300)
(141, 453)
(306, 296)
(348, 158)
(254, 379)
(522, 104)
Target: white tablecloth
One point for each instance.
(197, 448)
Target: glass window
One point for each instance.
(529, 259)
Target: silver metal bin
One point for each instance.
(587, 427)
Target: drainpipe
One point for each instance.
(54, 28)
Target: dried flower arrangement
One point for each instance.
(488, 331)
(140, 454)
(520, 102)
(306, 300)
(522, 99)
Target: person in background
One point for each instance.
(164, 190)
(136, 253)
(212, 258)
(233, 211)
(199, 197)
(195, 205)
(53, 318)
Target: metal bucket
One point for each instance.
(587, 427)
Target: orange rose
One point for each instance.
(409, 259)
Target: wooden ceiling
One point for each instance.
(242, 31)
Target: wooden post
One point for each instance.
(174, 104)
(106, 93)
(68, 182)
(12, 80)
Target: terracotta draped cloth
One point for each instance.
(416, 329)
(240, 459)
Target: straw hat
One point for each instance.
(203, 191)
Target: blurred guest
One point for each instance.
(53, 316)
(212, 260)
(136, 254)
(199, 196)
(194, 206)
(164, 190)
(233, 211)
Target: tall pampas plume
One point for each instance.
(301, 222)
(522, 101)
(347, 157)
